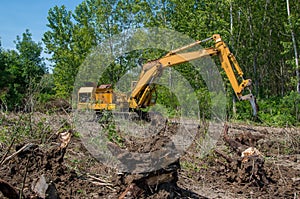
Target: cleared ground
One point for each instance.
(46, 167)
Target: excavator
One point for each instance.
(142, 95)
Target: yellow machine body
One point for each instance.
(96, 98)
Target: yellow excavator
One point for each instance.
(103, 97)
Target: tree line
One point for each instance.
(262, 34)
(21, 71)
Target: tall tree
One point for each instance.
(294, 45)
(59, 42)
(22, 69)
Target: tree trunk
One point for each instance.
(233, 106)
(231, 36)
(294, 45)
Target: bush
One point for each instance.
(277, 111)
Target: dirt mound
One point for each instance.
(41, 172)
(35, 163)
(151, 143)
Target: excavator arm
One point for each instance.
(142, 92)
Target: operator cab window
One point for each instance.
(84, 97)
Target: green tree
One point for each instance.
(30, 60)
(21, 70)
(60, 44)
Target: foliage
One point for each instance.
(282, 111)
(60, 42)
(109, 127)
(21, 71)
(18, 127)
(46, 90)
(168, 100)
(274, 111)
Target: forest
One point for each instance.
(263, 35)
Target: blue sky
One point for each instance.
(18, 15)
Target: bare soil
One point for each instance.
(42, 169)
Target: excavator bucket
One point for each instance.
(253, 103)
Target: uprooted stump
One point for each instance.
(150, 183)
(246, 166)
(252, 171)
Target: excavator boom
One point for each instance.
(141, 94)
